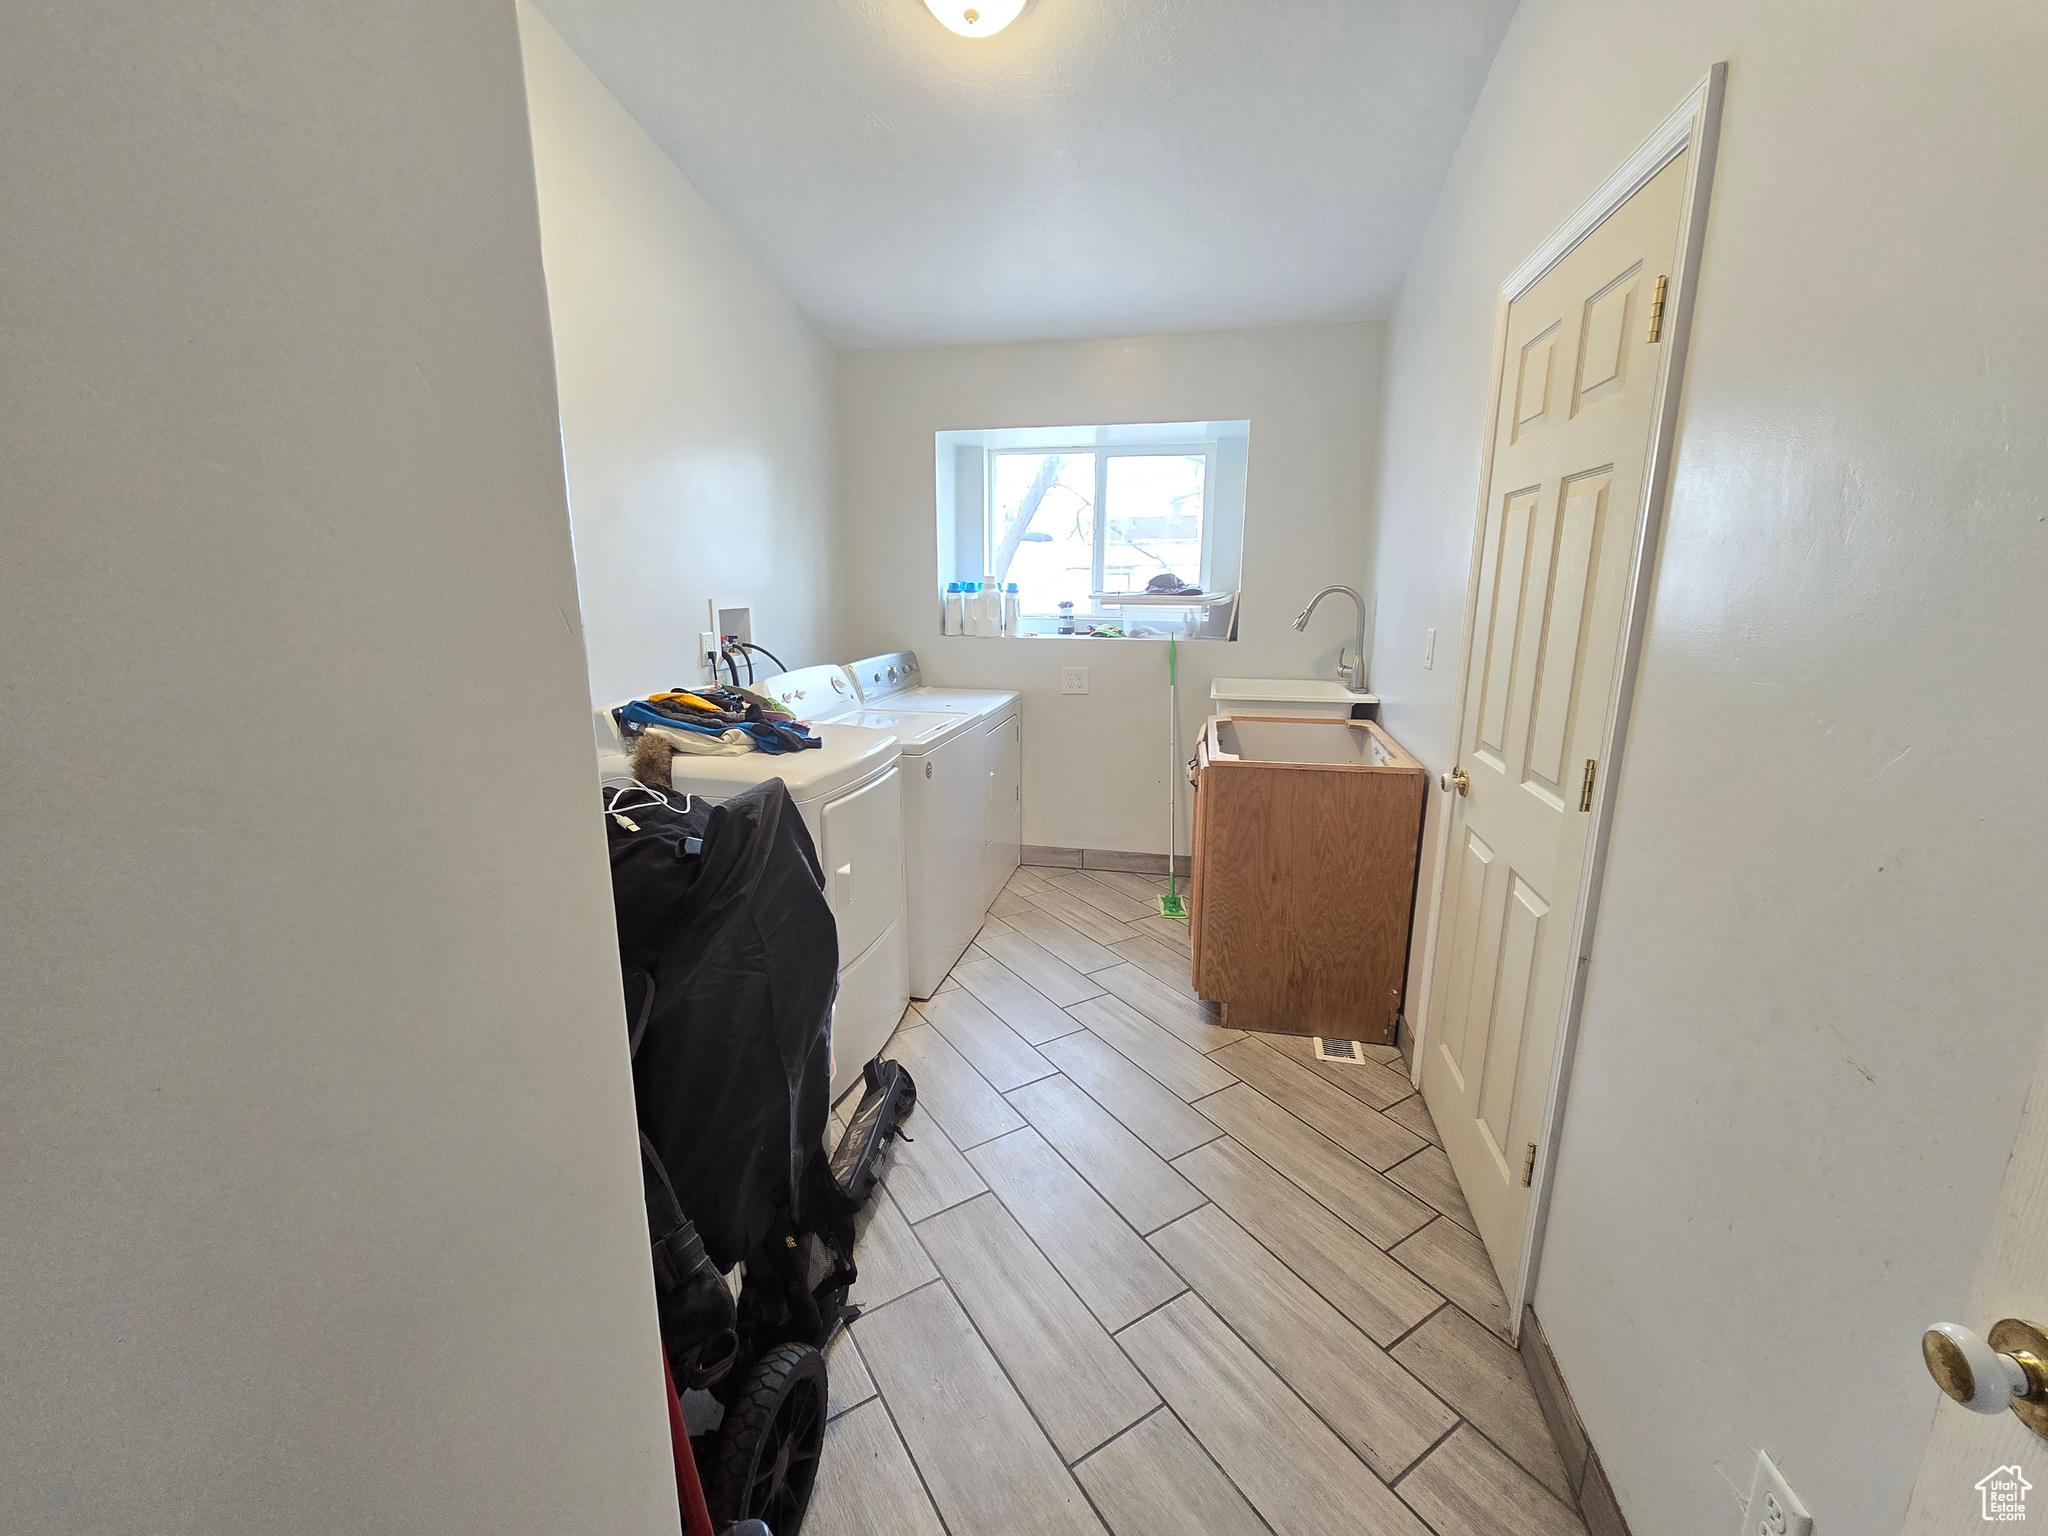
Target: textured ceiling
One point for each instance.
(1104, 167)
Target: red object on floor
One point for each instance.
(689, 1492)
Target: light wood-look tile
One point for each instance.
(1287, 1462)
(1128, 1174)
(1428, 1176)
(1170, 931)
(1200, 1024)
(1092, 1247)
(1059, 981)
(1361, 1391)
(991, 1047)
(891, 1261)
(946, 986)
(968, 1110)
(1155, 1481)
(1163, 961)
(847, 1382)
(1412, 1114)
(1025, 879)
(1089, 887)
(1008, 904)
(1077, 914)
(974, 952)
(866, 1482)
(1484, 1380)
(1379, 1295)
(925, 1172)
(1455, 1262)
(1063, 941)
(1359, 1129)
(1141, 888)
(1079, 1385)
(991, 926)
(1370, 1082)
(1169, 1059)
(1466, 1486)
(1161, 1118)
(1379, 1210)
(1028, 1011)
(989, 1466)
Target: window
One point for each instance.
(1090, 517)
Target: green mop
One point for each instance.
(1170, 904)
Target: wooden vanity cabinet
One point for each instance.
(1302, 883)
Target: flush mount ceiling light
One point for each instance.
(977, 18)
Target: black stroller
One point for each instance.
(730, 956)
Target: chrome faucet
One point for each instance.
(1352, 671)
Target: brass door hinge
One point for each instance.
(1586, 789)
(1529, 1166)
(1657, 309)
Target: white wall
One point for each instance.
(1816, 992)
(321, 1205)
(698, 414)
(1095, 767)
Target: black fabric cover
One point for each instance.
(732, 1072)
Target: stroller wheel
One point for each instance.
(765, 1460)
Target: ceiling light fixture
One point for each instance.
(977, 18)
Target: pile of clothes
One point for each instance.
(714, 722)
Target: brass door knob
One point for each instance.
(1457, 779)
(2009, 1370)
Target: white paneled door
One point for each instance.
(1577, 401)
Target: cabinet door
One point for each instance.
(1003, 813)
(1195, 840)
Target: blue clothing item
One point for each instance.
(643, 714)
(771, 736)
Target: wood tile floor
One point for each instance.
(1137, 1274)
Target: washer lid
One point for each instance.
(850, 755)
(917, 732)
(956, 701)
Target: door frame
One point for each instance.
(1694, 126)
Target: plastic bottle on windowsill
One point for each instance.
(1013, 609)
(954, 618)
(1066, 618)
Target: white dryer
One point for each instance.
(851, 797)
(893, 681)
(947, 792)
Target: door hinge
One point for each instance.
(1586, 789)
(1529, 1166)
(1657, 309)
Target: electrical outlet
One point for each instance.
(1429, 650)
(1074, 680)
(707, 648)
(1774, 1509)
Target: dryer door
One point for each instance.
(863, 857)
(1002, 761)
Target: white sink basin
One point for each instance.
(1322, 741)
(1307, 697)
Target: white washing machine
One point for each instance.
(893, 681)
(850, 793)
(949, 799)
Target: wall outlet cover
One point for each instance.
(1774, 1509)
(1074, 680)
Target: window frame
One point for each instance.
(1102, 453)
